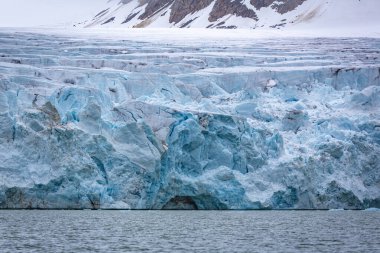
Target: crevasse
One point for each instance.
(245, 125)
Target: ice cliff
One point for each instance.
(242, 125)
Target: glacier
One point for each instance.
(241, 124)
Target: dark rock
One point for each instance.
(181, 8)
(226, 7)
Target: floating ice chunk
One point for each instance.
(372, 209)
(271, 83)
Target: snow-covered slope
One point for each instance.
(299, 17)
(278, 14)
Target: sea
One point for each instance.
(189, 231)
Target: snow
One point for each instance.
(133, 118)
(123, 12)
(343, 16)
(314, 18)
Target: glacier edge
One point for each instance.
(137, 125)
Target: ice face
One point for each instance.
(245, 125)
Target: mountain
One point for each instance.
(236, 13)
(340, 17)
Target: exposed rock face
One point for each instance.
(261, 3)
(182, 13)
(154, 6)
(116, 124)
(285, 6)
(282, 6)
(181, 8)
(223, 8)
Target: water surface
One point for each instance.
(189, 231)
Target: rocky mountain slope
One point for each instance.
(231, 13)
(322, 18)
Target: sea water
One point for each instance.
(189, 231)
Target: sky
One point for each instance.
(25, 13)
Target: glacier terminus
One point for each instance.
(150, 124)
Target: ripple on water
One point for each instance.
(184, 231)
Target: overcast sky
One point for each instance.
(47, 12)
